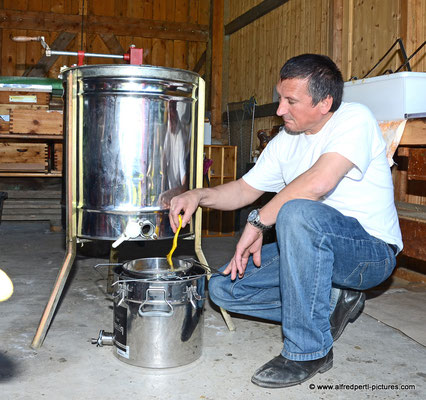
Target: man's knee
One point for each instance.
(217, 289)
(296, 210)
(213, 284)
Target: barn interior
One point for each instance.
(218, 62)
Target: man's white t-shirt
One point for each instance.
(365, 192)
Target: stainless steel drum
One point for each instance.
(158, 313)
(134, 144)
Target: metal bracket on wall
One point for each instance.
(403, 53)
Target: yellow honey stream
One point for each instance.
(169, 256)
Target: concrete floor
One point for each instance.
(385, 346)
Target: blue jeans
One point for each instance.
(318, 249)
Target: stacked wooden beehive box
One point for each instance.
(31, 136)
(31, 133)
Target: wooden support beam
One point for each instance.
(266, 110)
(261, 111)
(120, 26)
(45, 63)
(113, 45)
(1, 36)
(226, 60)
(403, 24)
(350, 34)
(337, 32)
(414, 133)
(252, 15)
(414, 236)
(200, 63)
(409, 275)
(217, 68)
(208, 69)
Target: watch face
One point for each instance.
(252, 216)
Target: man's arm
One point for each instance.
(320, 179)
(313, 184)
(229, 196)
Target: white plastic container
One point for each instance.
(390, 97)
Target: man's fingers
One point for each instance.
(257, 259)
(244, 262)
(231, 269)
(172, 224)
(227, 270)
(186, 218)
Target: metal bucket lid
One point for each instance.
(155, 267)
(132, 72)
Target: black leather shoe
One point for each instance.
(349, 306)
(281, 372)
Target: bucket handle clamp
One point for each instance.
(191, 291)
(156, 313)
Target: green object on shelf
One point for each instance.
(55, 84)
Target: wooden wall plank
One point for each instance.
(337, 31)
(33, 51)
(180, 54)
(104, 7)
(170, 51)
(58, 7)
(252, 14)
(120, 9)
(15, 4)
(135, 9)
(372, 27)
(72, 7)
(373, 23)
(325, 31)
(176, 36)
(192, 55)
(146, 43)
(12, 19)
(170, 44)
(8, 53)
(37, 5)
(180, 47)
(158, 45)
(1, 38)
(20, 54)
(416, 32)
(217, 68)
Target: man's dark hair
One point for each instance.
(324, 78)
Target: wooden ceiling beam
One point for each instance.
(265, 7)
(113, 45)
(201, 61)
(119, 26)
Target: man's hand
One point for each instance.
(249, 243)
(186, 202)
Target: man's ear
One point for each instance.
(326, 104)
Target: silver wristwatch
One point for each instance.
(254, 219)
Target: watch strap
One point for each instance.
(257, 224)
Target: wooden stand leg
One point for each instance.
(113, 259)
(202, 259)
(54, 296)
(228, 320)
(199, 184)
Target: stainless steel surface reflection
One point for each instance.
(134, 128)
(159, 322)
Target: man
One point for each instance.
(335, 218)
